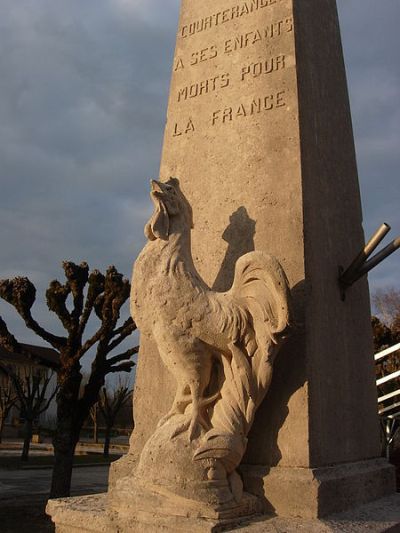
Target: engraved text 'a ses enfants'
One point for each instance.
(235, 43)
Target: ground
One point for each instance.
(396, 461)
(25, 515)
(24, 488)
(24, 493)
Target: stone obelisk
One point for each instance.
(259, 133)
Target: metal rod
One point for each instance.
(395, 415)
(388, 440)
(379, 235)
(378, 258)
(387, 409)
(395, 433)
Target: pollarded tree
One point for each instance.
(8, 398)
(32, 387)
(74, 303)
(387, 303)
(110, 404)
(383, 336)
(93, 415)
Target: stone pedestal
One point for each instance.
(318, 492)
(90, 514)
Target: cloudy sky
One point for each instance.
(83, 93)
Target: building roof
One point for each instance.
(39, 355)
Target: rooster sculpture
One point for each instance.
(220, 347)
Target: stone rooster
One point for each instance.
(222, 344)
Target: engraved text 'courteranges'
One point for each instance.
(221, 17)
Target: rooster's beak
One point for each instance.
(156, 186)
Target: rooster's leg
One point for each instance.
(181, 401)
(197, 418)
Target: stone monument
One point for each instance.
(259, 134)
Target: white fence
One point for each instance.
(389, 413)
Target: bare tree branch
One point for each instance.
(51, 397)
(124, 367)
(90, 342)
(123, 356)
(21, 294)
(95, 288)
(77, 276)
(8, 399)
(129, 328)
(56, 297)
(127, 324)
(387, 302)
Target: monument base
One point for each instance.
(135, 499)
(93, 514)
(89, 514)
(319, 492)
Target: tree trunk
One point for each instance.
(107, 440)
(67, 431)
(62, 472)
(95, 426)
(65, 440)
(27, 439)
(2, 421)
(71, 415)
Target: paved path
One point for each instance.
(85, 480)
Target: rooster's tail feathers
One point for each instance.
(261, 282)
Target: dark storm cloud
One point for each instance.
(83, 101)
(83, 92)
(371, 43)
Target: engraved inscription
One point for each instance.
(236, 43)
(183, 128)
(251, 108)
(276, 29)
(179, 64)
(221, 17)
(255, 70)
(203, 87)
(203, 55)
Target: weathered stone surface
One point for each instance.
(83, 513)
(89, 514)
(257, 99)
(220, 348)
(93, 514)
(315, 492)
(282, 181)
(259, 133)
